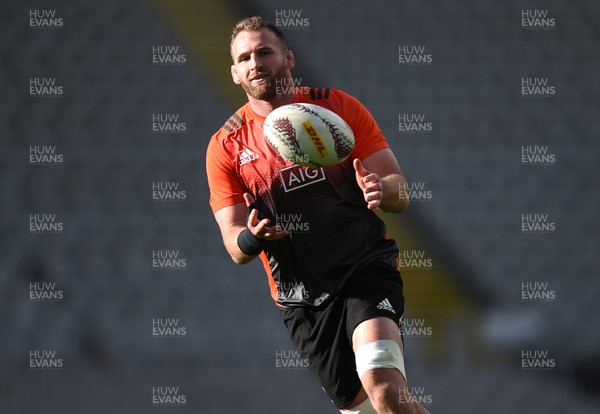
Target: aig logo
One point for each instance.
(297, 176)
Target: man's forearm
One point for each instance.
(394, 194)
(231, 244)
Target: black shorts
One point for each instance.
(324, 335)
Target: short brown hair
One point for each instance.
(253, 23)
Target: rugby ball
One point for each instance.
(308, 134)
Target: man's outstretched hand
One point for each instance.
(260, 228)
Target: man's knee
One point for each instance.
(380, 366)
(384, 396)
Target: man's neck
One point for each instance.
(264, 108)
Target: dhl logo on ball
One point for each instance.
(315, 138)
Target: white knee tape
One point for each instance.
(379, 354)
(364, 407)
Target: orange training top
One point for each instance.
(332, 232)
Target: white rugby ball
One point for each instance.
(309, 135)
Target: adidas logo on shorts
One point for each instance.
(386, 305)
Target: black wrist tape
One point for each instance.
(249, 243)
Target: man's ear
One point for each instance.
(291, 61)
(234, 76)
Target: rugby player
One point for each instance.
(335, 278)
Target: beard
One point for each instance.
(267, 90)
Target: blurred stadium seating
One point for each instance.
(470, 161)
